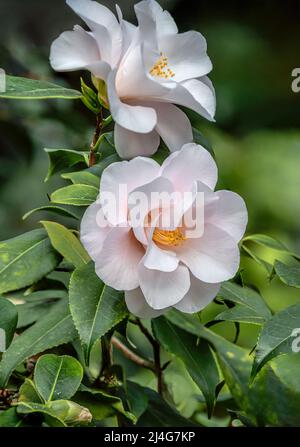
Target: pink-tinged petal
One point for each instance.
(94, 229)
(151, 15)
(130, 144)
(138, 306)
(128, 175)
(198, 297)
(212, 258)
(196, 94)
(229, 213)
(186, 53)
(150, 196)
(190, 164)
(136, 118)
(173, 126)
(74, 50)
(117, 263)
(163, 289)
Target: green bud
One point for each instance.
(70, 412)
(102, 91)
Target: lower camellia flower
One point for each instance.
(161, 261)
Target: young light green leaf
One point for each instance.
(28, 392)
(8, 321)
(70, 412)
(61, 159)
(66, 243)
(197, 357)
(53, 329)
(288, 274)
(54, 209)
(82, 178)
(77, 195)
(26, 259)
(95, 307)
(23, 88)
(270, 242)
(57, 377)
(277, 336)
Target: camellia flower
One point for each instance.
(146, 70)
(158, 267)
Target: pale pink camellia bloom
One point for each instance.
(163, 268)
(146, 69)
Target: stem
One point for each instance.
(132, 356)
(156, 352)
(93, 146)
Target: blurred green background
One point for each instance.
(254, 47)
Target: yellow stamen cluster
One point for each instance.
(161, 69)
(168, 237)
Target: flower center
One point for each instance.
(168, 237)
(161, 69)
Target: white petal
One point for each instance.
(173, 126)
(151, 11)
(104, 24)
(138, 306)
(229, 213)
(198, 297)
(93, 230)
(136, 118)
(163, 289)
(117, 263)
(74, 50)
(131, 174)
(212, 258)
(188, 165)
(197, 95)
(130, 144)
(186, 55)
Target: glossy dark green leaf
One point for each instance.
(77, 195)
(60, 159)
(57, 377)
(98, 168)
(26, 259)
(288, 274)
(54, 209)
(8, 321)
(82, 178)
(277, 336)
(53, 329)
(197, 357)
(25, 408)
(199, 138)
(66, 243)
(95, 307)
(24, 88)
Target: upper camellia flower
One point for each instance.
(161, 267)
(147, 69)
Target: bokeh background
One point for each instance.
(254, 47)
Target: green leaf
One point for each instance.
(107, 145)
(10, 418)
(251, 308)
(23, 88)
(28, 392)
(70, 412)
(66, 243)
(266, 241)
(277, 336)
(197, 357)
(57, 377)
(61, 159)
(8, 320)
(51, 419)
(98, 168)
(29, 313)
(77, 195)
(53, 329)
(159, 413)
(54, 209)
(26, 259)
(288, 274)
(82, 178)
(95, 307)
(266, 265)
